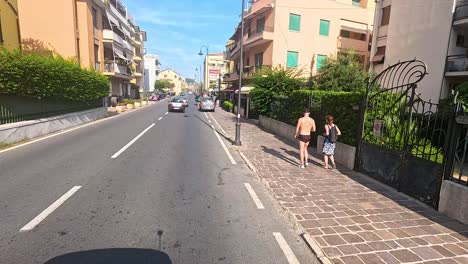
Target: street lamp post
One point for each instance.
(237, 140)
(205, 82)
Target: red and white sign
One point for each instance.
(214, 74)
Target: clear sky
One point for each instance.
(177, 29)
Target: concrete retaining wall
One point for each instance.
(344, 154)
(454, 201)
(278, 128)
(11, 133)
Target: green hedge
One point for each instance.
(344, 106)
(40, 77)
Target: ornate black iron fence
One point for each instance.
(403, 137)
(16, 109)
(457, 156)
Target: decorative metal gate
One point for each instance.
(456, 168)
(403, 137)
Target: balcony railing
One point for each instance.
(97, 66)
(113, 67)
(457, 63)
(255, 33)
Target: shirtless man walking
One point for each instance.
(304, 127)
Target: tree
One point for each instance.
(344, 73)
(189, 81)
(273, 82)
(161, 84)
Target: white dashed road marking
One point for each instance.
(117, 154)
(254, 196)
(286, 249)
(159, 119)
(31, 225)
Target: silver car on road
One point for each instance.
(207, 104)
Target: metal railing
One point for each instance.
(113, 67)
(25, 109)
(457, 63)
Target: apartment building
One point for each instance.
(100, 34)
(215, 66)
(300, 34)
(138, 81)
(152, 71)
(10, 36)
(175, 78)
(433, 31)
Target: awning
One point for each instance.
(245, 90)
(378, 58)
(230, 89)
(379, 55)
(112, 18)
(119, 53)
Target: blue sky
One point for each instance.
(177, 29)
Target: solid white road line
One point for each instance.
(286, 249)
(31, 225)
(254, 196)
(224, 146)
(220, 127)
(159, 119)
(117, 154)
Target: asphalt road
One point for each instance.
(173, 196)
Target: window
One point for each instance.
(460, 41)
(1, 34)
(175, 76)
(96, 53)
(356, 2)
(324, 27)
(260, 25)
(165, 75)
(320, 61)
(258, 60)
(385, 15)
(294, 22)
(292, 60)
(95, 22)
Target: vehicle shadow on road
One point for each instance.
(113, 256)
(219, 133)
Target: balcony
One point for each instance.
(128, 46)
(457, 65)
(355, 44)
(461, 14)
(136, 57)
(257, 38)
(97, 66)
(111, 36)
(111, 68)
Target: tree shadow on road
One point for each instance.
(113, 256)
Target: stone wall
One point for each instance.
(453, 201)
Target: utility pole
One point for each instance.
(237, 140)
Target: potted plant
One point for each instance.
(129, 104)
(120, 107)
(136, 103)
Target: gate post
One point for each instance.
(360, 128)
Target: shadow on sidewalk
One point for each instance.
(279, 155)
(296, 154)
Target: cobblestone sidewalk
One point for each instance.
(352, 218)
